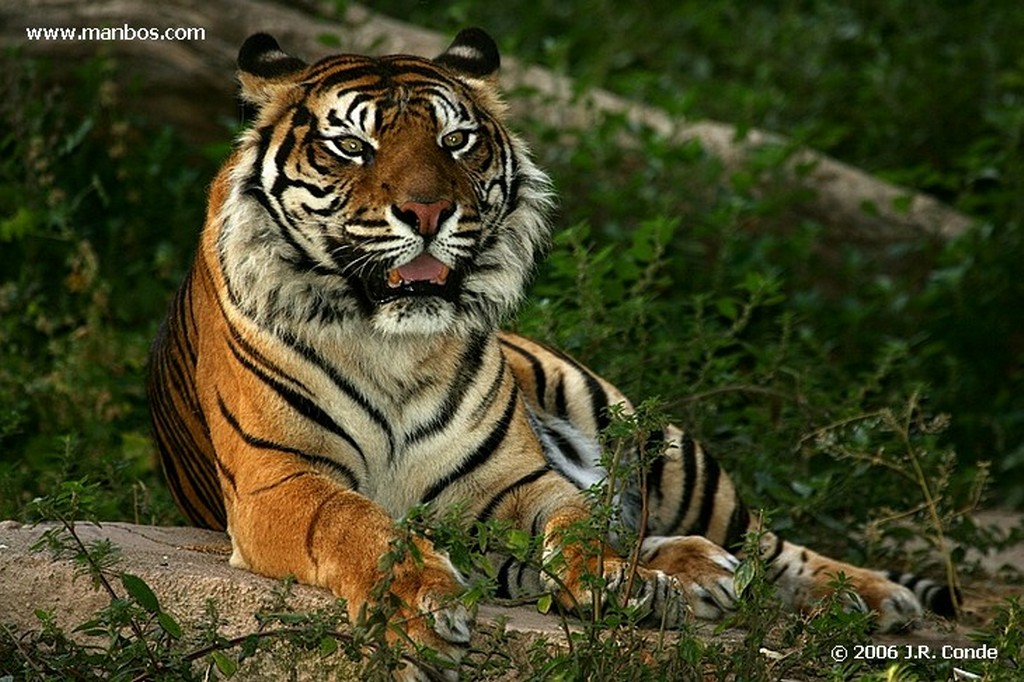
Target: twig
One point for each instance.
(952, 580)
(17, 645)
(102, 579)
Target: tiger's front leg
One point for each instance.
(287, 520)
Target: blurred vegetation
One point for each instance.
(806, 362)
(99, 214)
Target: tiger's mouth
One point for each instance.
(424, 275)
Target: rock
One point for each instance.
(186, 567)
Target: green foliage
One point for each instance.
(133, 637)
(98, 216)
(1006, 635)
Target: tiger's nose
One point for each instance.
(424, 218)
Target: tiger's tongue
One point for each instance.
(423, 268)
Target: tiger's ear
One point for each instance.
(265, 70)
(473, 54)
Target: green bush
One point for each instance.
(98, 216)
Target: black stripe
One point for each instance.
(535, 524)
(707, 503)
(259, 358)
(689, 457)
(311, 152)
(329, 210)
(656, 468)
(254, 187)
(316, 359)
(488, 510)
(314, 522)
(598, 398)
(199, 507)
(178, 470)
(344, 385)
(383, 71)
(482, 453)
(300, 403)
(302, 261)
(561, 404)
(264, 444)
(469, 367)
(654, 454)
(183, 457)
(503, 591)
(492, 392)
(281, 481)
(563, 445)
(284, 181)
(739, 521)
(179, 446)
(539, 378)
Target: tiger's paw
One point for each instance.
(896, 608)
(652, 595)
(806, 580)
(703, 570)
(432, 614)
(445, 625)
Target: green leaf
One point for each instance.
(544, 603)
(518, 542)
(140, 592)
(484, 565)
(727, 308)
(169, 625)
(92, 628)
(328, 645)
(225, 664)
(744, 576)
(18, 225)
(73, 140)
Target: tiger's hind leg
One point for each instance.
(689, 495)
(803, 577)
(692, 509)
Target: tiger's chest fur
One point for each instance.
(410, 421)
(406, 422)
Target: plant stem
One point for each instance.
(98, 573)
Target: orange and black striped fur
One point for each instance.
(333, 357)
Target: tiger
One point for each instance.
(335, 358)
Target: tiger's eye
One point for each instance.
(454, 140)
(351, 145)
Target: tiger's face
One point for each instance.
(383, 190)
